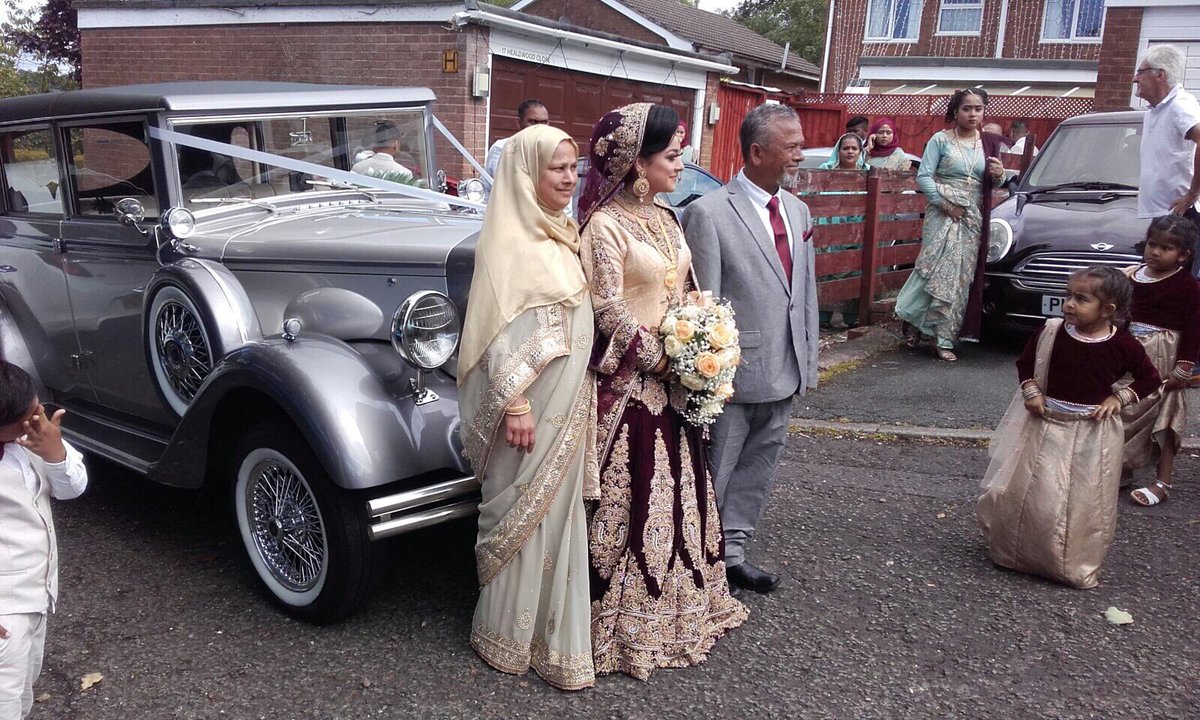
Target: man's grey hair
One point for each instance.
(757, 124)
(1169, 59)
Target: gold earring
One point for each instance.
(641, 186)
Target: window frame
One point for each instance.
(867, 38)
(966, 5)
(1074, 39)
(48, 127)
(66, 164)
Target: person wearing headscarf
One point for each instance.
(847, 154)
(527, 403)
(660, 595)
(883, 146)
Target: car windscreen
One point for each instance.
(384, 144)
(1108, 154)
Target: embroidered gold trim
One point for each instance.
(563, 671)
(652, 394)
(501, 545)
(692, 529)
(548, 342)
(504, 654)
(658, 536)
(610, 522)
(525, 622)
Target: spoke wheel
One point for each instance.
(181, 353)
(305, 538)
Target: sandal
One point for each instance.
(944, 354)
(1146, 497)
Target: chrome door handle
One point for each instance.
(7, 269)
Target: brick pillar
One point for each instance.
(706, 136)
(1118, 58)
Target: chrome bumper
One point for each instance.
(415, 509)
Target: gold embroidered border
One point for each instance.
(563, 671)
(493, 553)
(504, 654)
(548, 342)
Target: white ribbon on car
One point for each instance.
(487, 176)
(342, 176)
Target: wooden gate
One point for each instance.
(735, 102)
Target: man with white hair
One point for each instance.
(1170, 173)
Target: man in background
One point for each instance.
(1017, 132)
(529, 113)
(1170, 172)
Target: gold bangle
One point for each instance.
(524, 409)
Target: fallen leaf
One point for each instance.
(44, 697)
(89, 680)
(941, 515)
(1118, 617)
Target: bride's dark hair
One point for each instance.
(661, 125)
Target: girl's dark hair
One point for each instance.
(661, 125)
(1175, 229)
(956, 100)
(16, 393)
(1111, 287)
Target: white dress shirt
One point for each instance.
(1018, 147)
(493, 162)
(760, 198)
(68, 479)
(378, 165)
(1167, 154)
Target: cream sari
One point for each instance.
(531, 551)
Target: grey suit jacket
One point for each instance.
(735, 258)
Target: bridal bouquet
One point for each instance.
(701, 340)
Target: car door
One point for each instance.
(108, 263)
(33, 288)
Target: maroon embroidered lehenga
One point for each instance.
(659, 593)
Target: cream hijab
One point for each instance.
(528, 255)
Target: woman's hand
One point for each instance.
(519, 430)
(996, 169)
(1174, 383)
(1110, 407)
(955, 212)
(1036, 405)
(871, 141)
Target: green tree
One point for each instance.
(11, 82)
(800, 22)
(49, 34)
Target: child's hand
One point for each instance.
(1110, 407)
(43, 436)
(1036, 405)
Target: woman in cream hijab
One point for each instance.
(527, 401)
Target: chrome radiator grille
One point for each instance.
(1049, 271)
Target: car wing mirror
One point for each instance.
(131, 213)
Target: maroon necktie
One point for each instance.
(781, 243)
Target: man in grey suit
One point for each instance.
(751, 244)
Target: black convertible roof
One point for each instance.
(204, 96)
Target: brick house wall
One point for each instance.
(1118, 58)
(711, 89)
(1022, 39)
(593, 16)
(394, 54)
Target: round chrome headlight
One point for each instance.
(425, 329)
(180, 222)
(471, 190)
(1000, 239)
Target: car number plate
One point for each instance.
(1052, 305)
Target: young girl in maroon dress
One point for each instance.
(1164, 319)
(1050, 500)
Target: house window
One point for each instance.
(893, 19)
(960, 17)
(1073, 20)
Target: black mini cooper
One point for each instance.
(1076, 206)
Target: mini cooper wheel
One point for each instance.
(181, 353)
(305, 538)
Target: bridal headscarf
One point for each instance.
(616, 142)
(528, 254)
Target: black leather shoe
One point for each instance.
(749, 577)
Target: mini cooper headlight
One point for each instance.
(425, 329)
(1000, 239)
(180, 222)
(471, 190)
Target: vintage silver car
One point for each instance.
(252, 285)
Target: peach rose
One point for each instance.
(684, 330)
(721, 336)
(708, 365)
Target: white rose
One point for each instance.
(668, 325)
(692, 382)
(672, 346)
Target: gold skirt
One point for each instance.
(1148, 420)
(1055, 512)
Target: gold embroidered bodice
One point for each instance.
(638, 266)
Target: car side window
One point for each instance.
(109, 162)
(30, 172)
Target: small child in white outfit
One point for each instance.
(35, 465)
